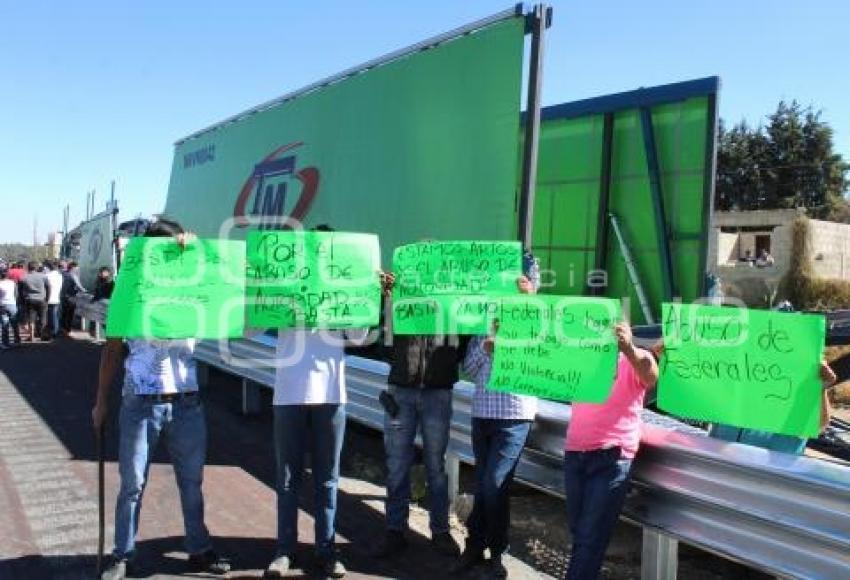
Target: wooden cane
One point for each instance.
(101, 511)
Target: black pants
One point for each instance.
(67, 314)
(36, 312)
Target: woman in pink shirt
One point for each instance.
(602, 440)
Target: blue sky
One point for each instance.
(92, 90)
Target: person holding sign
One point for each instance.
(423, 371)
(309, 413)
(159, 399)
(500, 426)
(779, 441)
(602, 440)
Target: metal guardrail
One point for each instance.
(91, 311)
(779, 513)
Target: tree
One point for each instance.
(788, 163)
(15, 252)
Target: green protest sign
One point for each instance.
(165, 291)
(748, 368)
(448, 287)
(312, 279)
(556, 347)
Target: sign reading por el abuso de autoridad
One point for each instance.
(452, 287)
(748, 368)
(313, 279)
(556, 347)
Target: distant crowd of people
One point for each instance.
(37, 299)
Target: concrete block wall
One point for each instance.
(779, 224)
(830, 249)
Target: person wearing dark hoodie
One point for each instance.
(423, 371)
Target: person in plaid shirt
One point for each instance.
(500, 426)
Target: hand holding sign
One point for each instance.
(748, 368)
(445, 288)
(556, 347)
(166, 289)
(313, 279)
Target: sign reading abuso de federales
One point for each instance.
(748, 368)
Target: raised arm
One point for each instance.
(641, 360)
(828, 378)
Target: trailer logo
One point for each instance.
(95, 244)
(268, 185)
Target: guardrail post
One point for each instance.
(453, 473)
(251, 400)
(660, 556)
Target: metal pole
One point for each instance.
(539, 21)
(632, 270)
(708, 194)
(662, 232)
(601, 258)
(113, 207)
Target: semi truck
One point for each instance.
(612, 194)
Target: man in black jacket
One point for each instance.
(422, 373)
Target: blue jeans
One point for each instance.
(9, 318)
(497, 445)
(430, 410)
(53, 319)
(322, 428)
(595, 483)
(141, 424)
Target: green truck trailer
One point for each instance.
(430, 142)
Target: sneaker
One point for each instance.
(470, 558)
(394, 543)
(445, 544)
(497, 568)
(210, 562)
(331, 567)
(116, 569)
(279, 567)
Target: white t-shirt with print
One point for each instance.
(156, 367)
(54, 278)
(311, 366)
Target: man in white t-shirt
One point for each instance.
(8, 308)
(54, 291)
(309, 416)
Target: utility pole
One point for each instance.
(35, 236)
